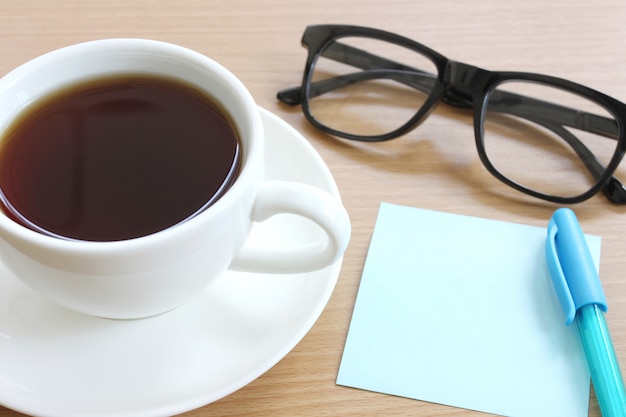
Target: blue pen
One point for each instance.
(580, 293)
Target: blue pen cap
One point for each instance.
(574, 275)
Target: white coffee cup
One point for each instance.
(149, 275)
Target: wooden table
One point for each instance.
(434, 167)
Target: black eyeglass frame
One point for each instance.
(467, 86)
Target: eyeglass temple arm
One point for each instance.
(532, 108)
(292, 96)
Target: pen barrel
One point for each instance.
(603, 365)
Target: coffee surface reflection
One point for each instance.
(117, 158)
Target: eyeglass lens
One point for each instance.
(383, 91)
(544, 138)
(536, 135)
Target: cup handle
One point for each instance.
(278, 197)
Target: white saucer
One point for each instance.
(54, 362)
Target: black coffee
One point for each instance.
(117, 158)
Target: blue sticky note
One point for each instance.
(461, 311)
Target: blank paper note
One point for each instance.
(461, 311)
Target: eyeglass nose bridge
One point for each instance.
(463, 83)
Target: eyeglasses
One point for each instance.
(545, 136)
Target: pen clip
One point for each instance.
(558, 277)
(574, 275)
